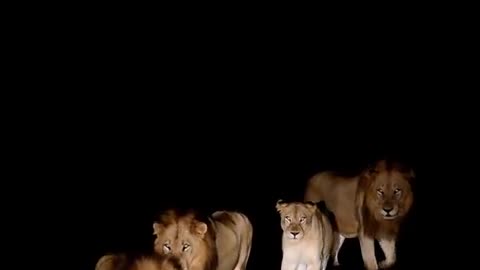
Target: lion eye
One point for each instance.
(186, 247)
(166, 248)
(380, 192)
(287, 218)
(302, 219)
(397, 191)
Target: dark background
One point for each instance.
(110, 160)
(122, 174)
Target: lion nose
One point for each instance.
(294, 233)
(387, 209)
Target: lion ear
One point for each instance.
(156, 228)
(372, 171)
(311, 205)
(375, 167)
(281, 204)
(201, 228)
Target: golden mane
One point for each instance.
(366, 200)
(123, 261)
(175, 227)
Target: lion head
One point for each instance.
(296, 218)
(386, 194)
(185, 236)
(158, 263)
(125, 261)
(111, 262)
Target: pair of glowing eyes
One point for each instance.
(397, 191)
(167, 247)
(302, 219)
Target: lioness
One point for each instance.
(369, 206)
(221, 241)
(150, 262)
(307, 238)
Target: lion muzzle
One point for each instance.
(389, 212)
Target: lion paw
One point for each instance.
(371, 267)
(385, 264)
(336, 263)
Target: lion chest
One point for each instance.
(301, 253)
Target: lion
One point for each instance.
(307, 237)
(370, 206)
(221, 241)
(144, 262)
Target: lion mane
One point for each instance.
(187, 235)
(371, 206)
(220, 241)
(123, 261)
(387, 186)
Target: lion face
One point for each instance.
(389, 196)
(182, 238)
(296, 218)
(131, 262)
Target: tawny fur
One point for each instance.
(358, 205)
(307, 238)
(221, 242)
(125, 262)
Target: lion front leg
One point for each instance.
(336, 250)
(367, 245)
(388, 247)
(317, 265)
(288, 266)
(325, 262)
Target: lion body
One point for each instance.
(222, 241)
(233, 233)
(370, 206)
(307, 236)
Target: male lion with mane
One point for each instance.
(221, 241)
(150, 262)
(307, 238)
(369, 206)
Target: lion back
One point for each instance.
(234, 233)
(236, 222)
